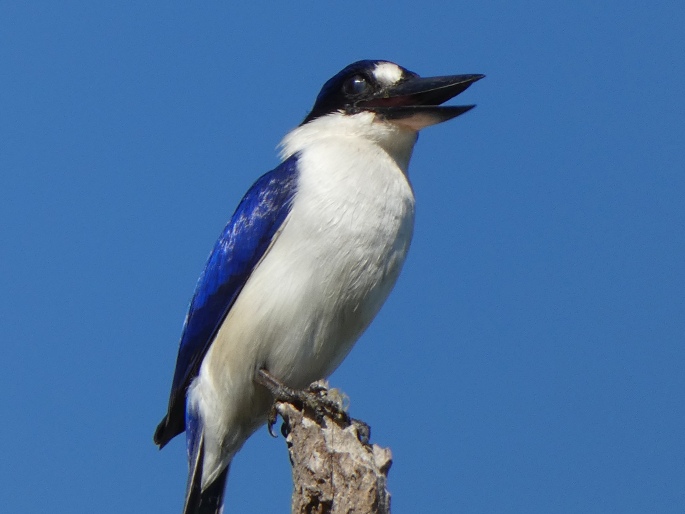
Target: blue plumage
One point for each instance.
(237, 251)
(301, 293)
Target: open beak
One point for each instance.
(416, 102)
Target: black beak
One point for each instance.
(416, 101)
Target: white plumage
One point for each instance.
(326, 275)
(304, 264)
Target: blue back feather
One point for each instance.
(240, 247)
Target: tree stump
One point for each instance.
(335, 469)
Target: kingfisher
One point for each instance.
(303, 266)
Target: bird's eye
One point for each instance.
(355, 85)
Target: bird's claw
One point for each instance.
(314, 400)
(323, 407)
(271, 420)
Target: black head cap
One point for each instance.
(351, 85)
(392, 92)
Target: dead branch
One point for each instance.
(335, 469)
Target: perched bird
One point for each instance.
(305, 263)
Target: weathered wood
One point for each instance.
(335, 469)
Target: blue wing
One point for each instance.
(238, 250)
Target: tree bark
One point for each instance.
(335, 469)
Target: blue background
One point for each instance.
(531, 357)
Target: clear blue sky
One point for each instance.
(531, 357)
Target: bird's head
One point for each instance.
(380, 102)
(393, 93)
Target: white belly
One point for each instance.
(326, 276)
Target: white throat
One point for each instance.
(397, 141)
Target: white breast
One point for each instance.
(327, 274)
(344, 244)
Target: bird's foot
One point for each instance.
(317, 400)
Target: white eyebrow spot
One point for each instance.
(387, 73)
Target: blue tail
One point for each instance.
(211, 499)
